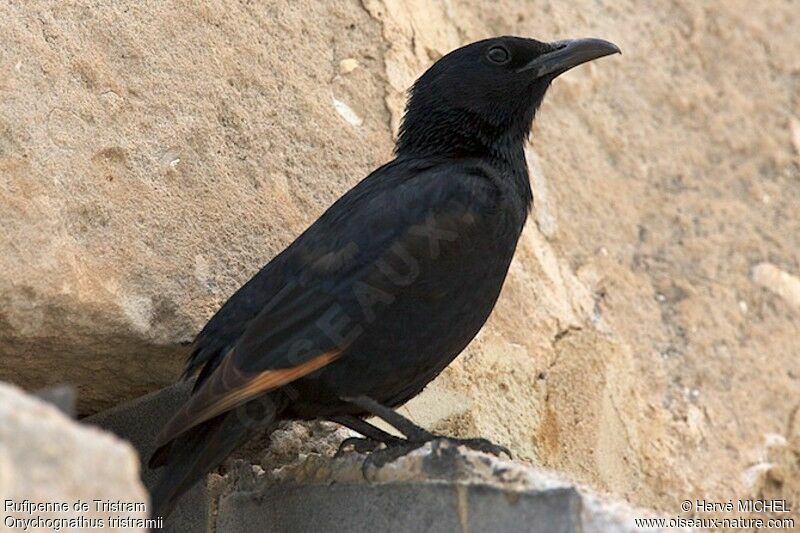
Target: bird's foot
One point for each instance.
(379, 457)
(390, 453)
(362, 445)
(477, 444)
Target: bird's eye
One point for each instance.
(498, 54)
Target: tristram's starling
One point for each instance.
(390, 284)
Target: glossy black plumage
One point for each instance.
(391, 283)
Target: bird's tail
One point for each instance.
(201, 449)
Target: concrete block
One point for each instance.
(398, 508)
(441, 486)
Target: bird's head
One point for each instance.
(484, 95)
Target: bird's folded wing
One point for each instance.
(299, 331)
(280, 345)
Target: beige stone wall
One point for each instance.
(153, 157)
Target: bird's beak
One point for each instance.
(568, 54)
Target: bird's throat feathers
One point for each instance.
(452, 133)
(457, 133)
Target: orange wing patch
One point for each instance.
(228, 388)
(264, 382)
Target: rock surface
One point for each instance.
(47, 458)
(292, 481)
(438, 487)
(152, 158)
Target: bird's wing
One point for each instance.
(319, 313)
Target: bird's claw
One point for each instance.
(378, 457)
(360, 445)
(479, 445)
(390, 453)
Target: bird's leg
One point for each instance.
(373, 436)
(415, 435)
(365, 428)
(412, 432)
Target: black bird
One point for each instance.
(389, 285)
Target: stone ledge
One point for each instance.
(397, 507)
(291, 482)
(439, 487)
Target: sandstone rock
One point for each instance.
(45, 458)
(347, 65)
(794, 126)
(779, 282)
(145, 177)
